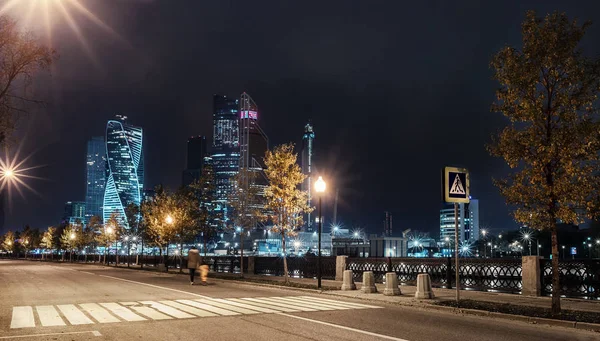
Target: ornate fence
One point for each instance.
(498, 275)
(578, 278)
(300, 267)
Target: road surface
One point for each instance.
(49, 301)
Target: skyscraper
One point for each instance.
(74, 211)
(225, 147)
(468, 222)
(196, 154)
(95, 177)
(306, 159)
(253, 140)
(125, 168)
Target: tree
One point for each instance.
(209, 218)
(48, 239)
(286, 202)
(30, 239)
(8, 243)
(133, 214)
(93, 229)
(69, 239)
(247, 206)
(158, 219)
(109, 233)
(548, 91)
(22, 57)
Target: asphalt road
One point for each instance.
(43, 301)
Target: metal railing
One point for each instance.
(299, 267)
(497, 275)
(578, 278)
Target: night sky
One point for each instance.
(395, 90)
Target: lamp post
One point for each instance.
(109, 232)
(484, 232)
(320, 189)
(72, 237)
(128, 249)
(169, 220)
(563, 251)
(526, 237)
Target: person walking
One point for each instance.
(194, 262)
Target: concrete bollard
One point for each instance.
(348, 281)
(391, 285)
(424, 287)
(368, 284)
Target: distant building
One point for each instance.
(125, 168)
(387, 225)
(388, 247)
(95, 177)
(468, 222)
(254, 144)
(196, 154)
(74, 212)
(225, 154)
(306, 161)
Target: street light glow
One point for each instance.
(169, 219)
(320, 185)
(72, 236)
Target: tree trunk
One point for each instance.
(285, 267)
(242, 253)
(555, 275)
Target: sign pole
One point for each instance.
(457, 278)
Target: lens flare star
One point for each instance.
(13, 175)
(46, 15)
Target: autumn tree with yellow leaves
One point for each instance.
(548, 91)
(284, 198)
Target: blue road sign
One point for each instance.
(456, 185)
(573, 250)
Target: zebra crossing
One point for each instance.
(118, 312)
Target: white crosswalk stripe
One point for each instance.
(22, 318)
(118, 312)
(122, 312)
(49, 316)
(98, 313)
(74, 315)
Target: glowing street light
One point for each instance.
(169, 220)
(320, 189)
(72, 236)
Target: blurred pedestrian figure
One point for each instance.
(194, 262)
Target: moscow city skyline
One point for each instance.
(388, 112)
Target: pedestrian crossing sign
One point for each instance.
(456, 185)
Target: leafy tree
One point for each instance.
(159, 219)
(247, 206)
(109, 233)
(548, 91)
(133, 214)
(22, 57)
(209, 218)
(92, 230)
(48, 240)
(8, 243)
(30, 239)
(284, 199)
(70, 239)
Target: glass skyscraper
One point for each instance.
(307, 157)
(95, 177)
(125, 168)
(225, 147)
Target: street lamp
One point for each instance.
(563, 251)
(526, 237)
(320, 189)
(109, 231)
